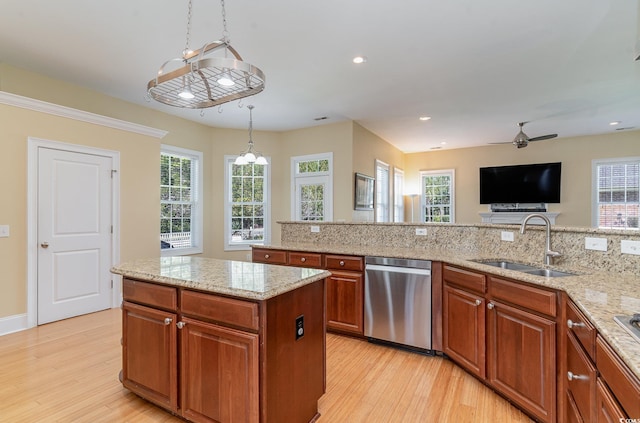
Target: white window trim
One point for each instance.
(398, 198)
(379, 164)
(594, 182)
(423, 205)
(197, 214)
(328, 195)
(245, 245)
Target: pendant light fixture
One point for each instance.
(250, 156)
(203, 81)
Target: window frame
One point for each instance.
(325, 178)
(382, 196)
(197, 207)
(398, 197)
(229, 245)
(452, 194)
(595, 198)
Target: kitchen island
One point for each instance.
(224, 341)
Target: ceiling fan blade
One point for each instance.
(543, 137)
(506, 142)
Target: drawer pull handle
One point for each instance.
(167, 321)
(572, 376)
(490, 306)
(267, 256)
(181, 325)
(571, 324)
(478, 302)
(341, 262)
(303, 259)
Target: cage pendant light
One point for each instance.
(250, 156)
(204, 80)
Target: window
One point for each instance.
(383, 196)
(615, 193)
(180, 201)
(398, 199)
(438, 196)
(247, 204)
(312, 183)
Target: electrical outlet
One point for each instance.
(598, 244)
(315, 229)
(421, 231)
(299, 327)
(506, 236)
(630, 247)
(4, 231)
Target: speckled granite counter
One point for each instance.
(600, 295)
(236, 278)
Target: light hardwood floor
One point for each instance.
(67, 371)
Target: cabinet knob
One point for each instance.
(571, 324)
(572, 376)
(167, 321)
(303, 259)
(267, 256)
(341, 262)
(181, 325)
(478, 302)
(490, 306)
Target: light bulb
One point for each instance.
(240, 160)
(225, 79)
(186, 94)
(250, 157)
(261, 161)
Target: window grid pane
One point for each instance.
(618, 195)
(247, 203)
(312, 202)
(177, 200)
(437, 196)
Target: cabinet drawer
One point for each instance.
(623, 384)
(267, 255)
(164, 297)
(522, 295)
(302, 259)
(581, 386)
(220, 309)
(354, 263)
(463, 278)
(582, 328)
(607, 408)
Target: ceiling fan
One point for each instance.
(522, 140)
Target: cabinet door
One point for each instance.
(149, 354)
(218, 373)
(345, 302)
(607, 408)
(521, 358)
(464, 329)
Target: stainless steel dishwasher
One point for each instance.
(397, 305)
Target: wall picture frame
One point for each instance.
(363, 192)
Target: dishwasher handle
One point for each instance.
(393, 269)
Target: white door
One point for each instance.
(74, 234)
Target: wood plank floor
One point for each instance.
(67, 371)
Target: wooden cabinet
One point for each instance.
(345, 287)
(149, 354)
(210, 358)
(607, 408)
(497, 329)
(616, 376)
(345, 294)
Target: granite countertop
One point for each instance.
(600, 295)
(254, 281)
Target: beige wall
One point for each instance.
(576, 155)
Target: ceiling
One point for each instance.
(476, 68)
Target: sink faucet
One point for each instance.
(548, 253)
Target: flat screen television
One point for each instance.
(531, 183)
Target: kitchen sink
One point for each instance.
(524, 268)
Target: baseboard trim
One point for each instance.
(12, 324)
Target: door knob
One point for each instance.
(45, 244)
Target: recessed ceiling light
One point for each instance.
(423, 118)
(614, 123)
(359, 59)
(443, 143)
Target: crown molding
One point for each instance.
(79, 115)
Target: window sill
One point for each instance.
(171, 252)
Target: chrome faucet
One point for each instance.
(548, 253)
